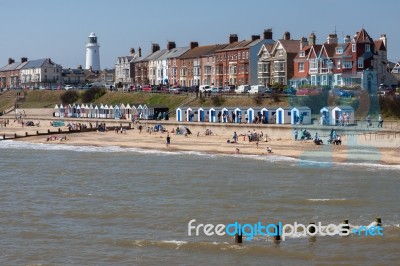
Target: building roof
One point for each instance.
(244, 44)
(155, 55)
(363, 37)
(175, 52)
(330, 49)
(202, 51)
(380, 45)
(290, 46)
(34, 63)
(12, 66)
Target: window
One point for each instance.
(313, 63)
(301, 67)
(280, 53)
(339, 50)
(353, 47)
(347, 64)
(360, 62)
(367, 48)
(302, 54)
(247, 55)
(239, 55)
(338, 63)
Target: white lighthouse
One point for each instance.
(92, 53)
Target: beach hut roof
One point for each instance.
(87, 106)
(128, 106)
(83, 106)
(78, 107)
(56, 107)
(345, 107)
(133, 107)
(61, 106)
(96, 107)
(302, 108)
(110, 107)
(140, 107)
(101, 106)
(284, 108)
(116, 107)
(122, 106)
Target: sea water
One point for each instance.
(70, 205)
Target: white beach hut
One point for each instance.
(134, 112)
(179, 114)
(344, 112)
(122, 110)
(326, 116)
(190, 114)
(212, 115)
(250, 115)
(110, 112)
(225, 115)
(139, 111)
(89, 111)
(62, 110)
(283, 115)
(56, 111)
(102, 111)
(265, 114)
(77, 111)
(128, 112)
(301, 115)
(146, 112)
(68, 111)
(239, 114)
(201, 115)
(96, 111)
(117, 112)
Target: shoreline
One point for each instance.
(217, 144)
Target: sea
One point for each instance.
(74, 205)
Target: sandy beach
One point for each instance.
(216, 143)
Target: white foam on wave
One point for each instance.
(338, 199)
(22, 145)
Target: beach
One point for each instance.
(358, 149)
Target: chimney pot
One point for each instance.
(268, 34)
(193, 45)
(233, 38)
(171, 45)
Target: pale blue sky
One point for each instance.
(59, 29)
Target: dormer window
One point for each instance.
(302, 54)
(339, 50)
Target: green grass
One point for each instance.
(7, 100)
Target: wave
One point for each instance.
(338, 199)
(294, 162)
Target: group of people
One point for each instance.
(344, 119)
(380, 121)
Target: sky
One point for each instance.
(59, 29)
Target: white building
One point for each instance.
(40, 73)
(93, 53)
(124, 70)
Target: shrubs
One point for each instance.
(69, 97)
(92, 94)
(217, 100)
(258, 99)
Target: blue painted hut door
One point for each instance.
(238, 115)
(250, 116)
(280, 117)
(212, 116)
(179, 115)
(326, 116)
(295, 118)
(265, 115)
(201, 116)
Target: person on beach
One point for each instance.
(235, 137)
(168, 140)
(380, 121)
(296, 133)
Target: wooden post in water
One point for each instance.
(4, 136)
(15, 135)
(59, 129)
(26, 134)
(48, 131)
(277, 237)
(238, 238)
(378, 221)
(346, 225)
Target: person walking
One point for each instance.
(296, 133)
(168, 140)
(380, 121)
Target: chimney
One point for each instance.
(268, 34)
(50, 61)
(10, 61)
(140, 52)
(384, 39)
(286, 36)
(24, 59)
(79, 67)
(194, 45)
(303, 43)
(255, 37)
(171, 45)
(233, 38)
(132, 50)
(312, 39)
(332, 38)
(155, 47)
(347, 39)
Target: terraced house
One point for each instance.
(124, 70)
(237, 63)
(40, 73)
(9, 74)
(275, 63)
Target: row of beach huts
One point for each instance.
(266, 115)
(118, 111)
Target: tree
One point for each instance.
(69, 97)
